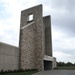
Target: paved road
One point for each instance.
(56, 72)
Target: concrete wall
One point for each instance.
(32, 39)
(48, 37)
(54, 62)
(9, 57)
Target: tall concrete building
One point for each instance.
(35, 40)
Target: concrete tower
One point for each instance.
(35, 40)
(32, 43)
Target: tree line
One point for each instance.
(60, 64)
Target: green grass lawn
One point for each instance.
(21, 73)
(65, 68)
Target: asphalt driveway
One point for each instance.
(56, 72)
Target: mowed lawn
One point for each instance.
(21, 73)
(65, 68)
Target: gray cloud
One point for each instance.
(64, 18)
(62, 13)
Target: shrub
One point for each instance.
(14, 71)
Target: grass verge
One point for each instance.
(65, 68)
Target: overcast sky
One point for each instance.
(62, 19)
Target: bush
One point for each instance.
(14, 71)
(1, 72)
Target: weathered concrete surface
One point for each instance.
(54, 62)
(56, 72)
(32, 39)
(48, 36)
(9, 57)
